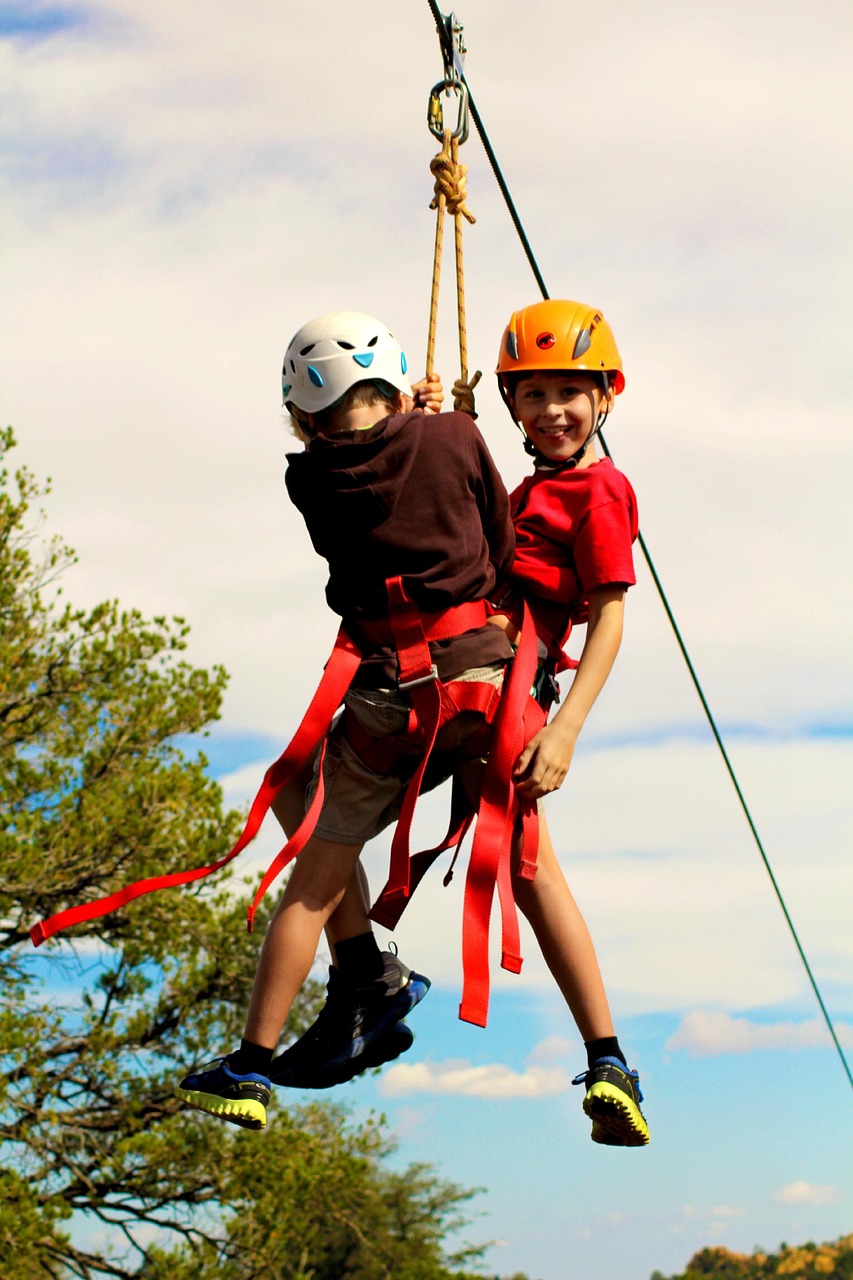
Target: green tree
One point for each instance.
(809, 1261)
(102, 1172)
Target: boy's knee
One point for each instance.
(321, 874)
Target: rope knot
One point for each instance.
(451, 182)
(463, 395)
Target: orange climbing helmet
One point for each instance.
(558, 334)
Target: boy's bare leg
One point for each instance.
(320, 1058)
(564, 940)
(237, 1087)
(289, 804)
(349, 918)
(317, 883)
(612, 1099)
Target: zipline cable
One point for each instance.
(444, 29)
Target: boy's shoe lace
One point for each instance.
(352, 1021)
(216, 1089)
(612, 1102)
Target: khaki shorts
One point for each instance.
(359, 803)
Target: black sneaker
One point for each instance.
(353, 1020)
(216, 1089)
(385, 1047)
(612, 1102)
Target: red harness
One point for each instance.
(516, 717)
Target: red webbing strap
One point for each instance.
(493, 838)
(295, 844)
(445, 625)
(387, 910)
(525, 824)
(337, 677)
(467, 695)
(418, 677)
(534, 719)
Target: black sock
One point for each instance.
(359, 959)
(251, 1058)
(607, 1047)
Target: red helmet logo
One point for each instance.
(545, 341)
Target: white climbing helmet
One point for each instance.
(329, 355)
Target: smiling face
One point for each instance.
(558, 411)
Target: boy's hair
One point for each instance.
(511, 380)
(371, 391)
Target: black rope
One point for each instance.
(447, 53)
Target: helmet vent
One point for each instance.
(373, 341)
(306, 350)
(347, 346)
(583, 343)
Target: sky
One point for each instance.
(182, 187)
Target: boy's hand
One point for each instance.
(544, 762)
(429, 393)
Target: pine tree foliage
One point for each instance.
(102, 1172)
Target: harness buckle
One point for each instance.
(430, 678)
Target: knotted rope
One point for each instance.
(450, 191)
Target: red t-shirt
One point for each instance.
(573, 532)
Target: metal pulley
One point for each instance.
(449, 98)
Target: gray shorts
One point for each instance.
(359, 803)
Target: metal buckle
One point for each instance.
(428, 679)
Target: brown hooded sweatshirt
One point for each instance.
(416, 496)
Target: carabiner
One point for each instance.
(435, 110)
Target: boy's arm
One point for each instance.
(545, 761)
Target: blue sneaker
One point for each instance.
(358, 1028)
(216, 1089)
(612, 1102)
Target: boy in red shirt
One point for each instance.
(575, 520)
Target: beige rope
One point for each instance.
(450, 192)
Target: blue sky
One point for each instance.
(183, 186)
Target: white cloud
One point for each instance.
(708, 1034)
(805, 1193)
(551, 1049)
(487, 1081)
(724, 1212)
(668, 871)
(716, 1217)
(679, 905)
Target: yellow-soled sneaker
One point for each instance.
(612, 1102)
(216, 1089)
